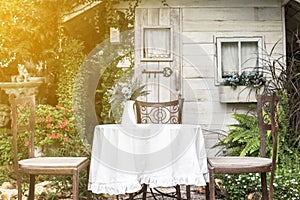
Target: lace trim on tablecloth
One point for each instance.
(172, 181)
(114, 188)
(153, 182)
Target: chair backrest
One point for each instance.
(267, 113)
(159, 112)
(23, 122)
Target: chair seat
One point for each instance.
(53, 162)
(240, 164)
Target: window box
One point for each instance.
(242, 94)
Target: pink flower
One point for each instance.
(26, 144)
(50, 119)
(48, 135)
(65, 139)
(48, 125)
(58, 106)
(43, 119)
(64, 124)
(57, 126)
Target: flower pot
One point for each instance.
(128, 117)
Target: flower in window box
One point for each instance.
(252, 79)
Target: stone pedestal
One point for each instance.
(16, 89)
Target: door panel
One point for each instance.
(162, 76)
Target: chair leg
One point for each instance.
(88, 197)
(31, 187)
(130, 196)
(75, 185)
(263, 178)
(188, 192)
(212, 186)
(207, 191)
(19, 185)
(271, 188)
(144, 191)
(178, 194)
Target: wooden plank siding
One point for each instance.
(206, 4)
(201, 21)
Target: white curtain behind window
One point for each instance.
(249, 56)
(230, 60)
(157, 42)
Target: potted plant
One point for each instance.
(122, 97)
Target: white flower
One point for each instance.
(125, 90)
(101, 52)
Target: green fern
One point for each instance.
(243, 137)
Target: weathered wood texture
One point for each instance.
(201, 22)
(162, 88)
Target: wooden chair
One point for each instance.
(237, 165)
(160, 113)
(33, 166)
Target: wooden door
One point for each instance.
(161, 70)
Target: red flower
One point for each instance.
(43, 119)
(50, 119)
(57, 126)
(48, 125)
(66, 110)
(58, 135)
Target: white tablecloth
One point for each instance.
(124, 157)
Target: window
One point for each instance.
(238, 55)
(157, 43)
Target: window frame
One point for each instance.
(239, 40)
(168, 59)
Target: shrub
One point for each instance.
(56, 134)
(6, 150)
(287, 183)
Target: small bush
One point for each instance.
(56, 133)
(287, 184)
(6, 156)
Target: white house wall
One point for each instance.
(201, 22)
